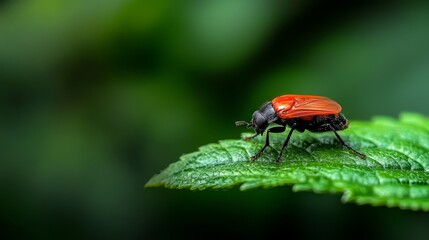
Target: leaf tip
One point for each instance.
(154, 182)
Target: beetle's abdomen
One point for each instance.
(319, 123)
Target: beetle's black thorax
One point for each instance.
(262, 117)
(319, 123)
(268, 112)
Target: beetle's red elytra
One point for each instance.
(299, 112)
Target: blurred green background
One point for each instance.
(98, 96)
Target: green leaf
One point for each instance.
(394, 174)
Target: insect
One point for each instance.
(299, 112)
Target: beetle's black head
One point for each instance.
(261, 118)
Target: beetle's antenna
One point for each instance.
(241, 123)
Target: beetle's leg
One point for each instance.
(361, 155)
(285, 143)
(251, 137)
(267, 140)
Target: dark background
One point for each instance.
(98, 96)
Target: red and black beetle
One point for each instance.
(300, 112)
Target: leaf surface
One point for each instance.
(395, 172)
